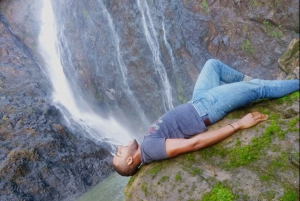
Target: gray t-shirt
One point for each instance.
(181, 122)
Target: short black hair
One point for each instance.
(126, 170)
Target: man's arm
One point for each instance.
(175, 147)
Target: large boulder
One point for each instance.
(260, 163)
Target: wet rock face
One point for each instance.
(133, 47)
(39, 158)
(249, 36)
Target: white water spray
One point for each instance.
(152, 40)
(96, 128)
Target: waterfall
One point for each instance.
(77, 113)
(116, 41)
(168, 46)
(152, 40)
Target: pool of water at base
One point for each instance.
(110, 189)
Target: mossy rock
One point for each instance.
(259, 163)
(290, 59)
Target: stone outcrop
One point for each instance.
(260, 163)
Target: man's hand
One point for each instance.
(251, 119)
(174, 147)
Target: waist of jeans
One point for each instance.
(202, 111)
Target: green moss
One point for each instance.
(294, 96)
(205, 6)
(292, 125)
(265, 177)
(247, 47)
(190, 157)
(293, 122)
(178, 177)
(218, 193)
(145, 189)
(195, 171)
(290, 195)
(254, 3)
(154, 170)
(273, 31)
(243, 155)
(163, 179)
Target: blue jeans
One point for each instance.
(214, 100)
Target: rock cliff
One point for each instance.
(134, 60)
(39, 158)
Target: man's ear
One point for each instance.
(129, 160)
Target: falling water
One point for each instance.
(168, 46)
(152, 40)
(116, 41)
(79, 115)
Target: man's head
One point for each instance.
(127, 160)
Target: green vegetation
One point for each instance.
(219, 192)
(247, 47)
(205, 6)
(144, 189)
(272, 30)
(271, 4)
(239, 156)
(195, 171)
(163, 179)
(153, 171)
(190, 157)
(254, 3)
(290, 195)
(178, 177)
(288, 99)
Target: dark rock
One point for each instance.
(39, 158)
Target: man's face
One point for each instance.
(123, 152)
